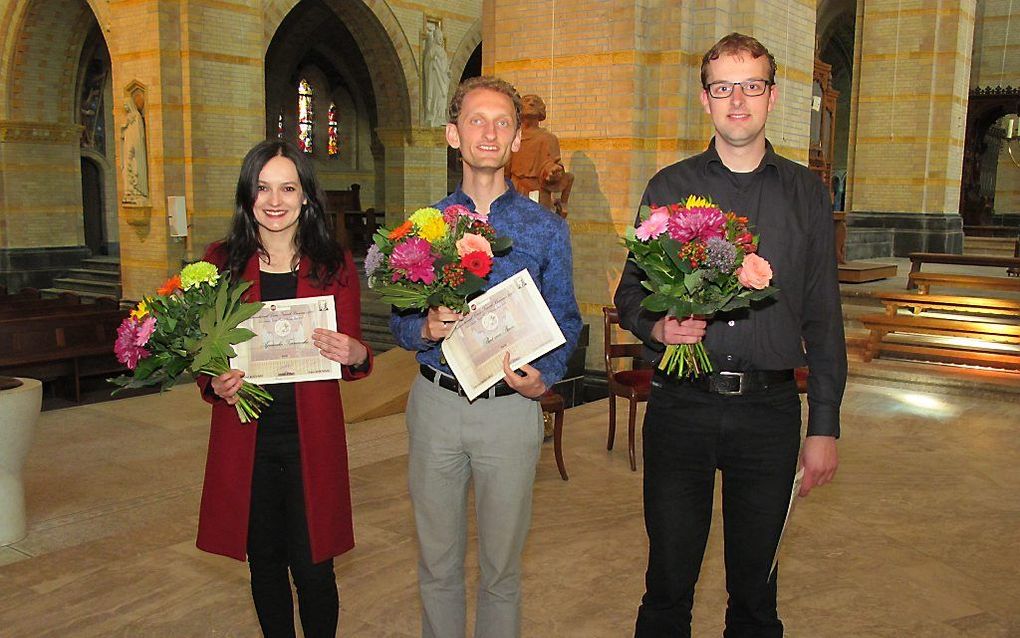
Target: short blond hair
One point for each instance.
(485, 82)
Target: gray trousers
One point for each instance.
(496, 443)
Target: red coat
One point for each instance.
(226, 494)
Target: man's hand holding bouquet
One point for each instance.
(699, 261)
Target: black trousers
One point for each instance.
(278, 541)
(754, 440)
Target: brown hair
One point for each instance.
(735, 44)
(485, 82)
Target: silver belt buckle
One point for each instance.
(740, 383)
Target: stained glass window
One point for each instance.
(306, 112)
(334, 145)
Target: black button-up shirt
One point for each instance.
(789, 208)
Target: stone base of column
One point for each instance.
(876, 234)
(1007, 219)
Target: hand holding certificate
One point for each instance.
(282, 350)
(510, 317)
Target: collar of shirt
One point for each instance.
(500, 203)
(770, 158)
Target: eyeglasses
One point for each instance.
(751, 88)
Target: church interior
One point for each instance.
(122, 129)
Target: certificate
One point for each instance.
(282, 350)
(510, 317)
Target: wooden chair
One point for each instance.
(554, 405)
(634, 385)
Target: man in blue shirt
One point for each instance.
(495, 440)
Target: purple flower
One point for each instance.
(413, 259)
(373, 259)
(697, 223)
(127, 347)
(721, 256)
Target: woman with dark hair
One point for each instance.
(277, 491)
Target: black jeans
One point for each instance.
(278, 540)
(754, 440)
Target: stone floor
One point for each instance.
(918, 537)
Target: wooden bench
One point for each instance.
(1011, 264)
(923, 281)
(72, 345)
(991, 332)
(353, 226)
(23, 295)
(953, 303)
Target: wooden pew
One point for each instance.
(953, 303)
(353, 226)
(923, 281)
(25, 294)
(66, 302)
(992, 332)
(71, 345)
(1011, 264)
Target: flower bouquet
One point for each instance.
(435, 258)
(189, 325)
(699, 261)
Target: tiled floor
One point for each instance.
(918, 537)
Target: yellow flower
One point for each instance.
(422, 216)
(140, 311)
(694, 201)
(433, 230)
(200, 272)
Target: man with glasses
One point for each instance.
(744, 419)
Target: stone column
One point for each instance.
(204, 108)
(911, 80)
(415, 169)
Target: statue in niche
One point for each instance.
(537, 168)
(91, 109)
(134, 166)
(437, 75)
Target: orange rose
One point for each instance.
(401, 230)
(754, 273)
(471, 243)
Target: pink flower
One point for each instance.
(471, 243)
(127, 347)
(413, 259)
(453, 211)
(754, 273)
(654, 226)
(145, 331)
(697, 223)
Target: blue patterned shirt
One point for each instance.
(541, 243)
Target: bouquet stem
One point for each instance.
(686, 360)
(251, 398)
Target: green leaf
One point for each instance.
(735, 303)
(657, 303)
(501, 245)
(693, 281)
(244, 312)
(238, 335)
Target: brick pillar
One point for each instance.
(415, 169)
(204, 108)
(911, 79)
(621, 82)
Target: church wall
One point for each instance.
(621, 82)
(1007, 187)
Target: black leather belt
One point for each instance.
(501, 389)
(733, 383)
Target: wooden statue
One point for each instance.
(537, 166)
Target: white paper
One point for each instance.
(797, 480)
(510, 317)
(282, 350)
